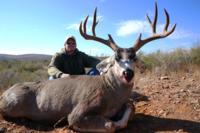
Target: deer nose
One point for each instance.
(128, 74)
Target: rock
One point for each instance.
(142, 103)
(183, 78)
(166, 86)
(164, 78)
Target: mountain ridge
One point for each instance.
(25, 57)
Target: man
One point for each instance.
(71, 61)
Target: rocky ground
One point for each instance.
(164, 104)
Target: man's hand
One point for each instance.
(64, 75)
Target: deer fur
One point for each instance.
(74, 97)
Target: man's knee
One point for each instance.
(93, 72)
(51, 78)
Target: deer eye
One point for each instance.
(118, 56)
(133, 57)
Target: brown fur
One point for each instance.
(74, 97)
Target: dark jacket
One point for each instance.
(71, 64)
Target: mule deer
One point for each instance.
(88, 102)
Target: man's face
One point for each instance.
(70, 46)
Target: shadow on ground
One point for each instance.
(150, 124)
(140, 124)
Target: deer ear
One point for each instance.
(105, 64)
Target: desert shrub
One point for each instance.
(7, 78)
(13, 71)
(195, 54)
(6, 64)
(152, 60)
(28, 66)
(179, 59)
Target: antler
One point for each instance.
(140, 42)
(82, 29)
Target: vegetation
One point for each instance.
(15, 71)
(177, 60)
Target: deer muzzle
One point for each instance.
(128, 74)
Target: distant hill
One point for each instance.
(25, 57)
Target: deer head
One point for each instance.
(125, 58)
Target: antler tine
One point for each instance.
(140, 42)
(94, 22)
(167, 24)
(153, 24)
(167, 20)
(85, 23)
(82, 29)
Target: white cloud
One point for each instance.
(132, 27)
(74, 26)
(137, 26)
(181, 33)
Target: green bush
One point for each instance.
(179, 59)
(13, 71)
(195, 55)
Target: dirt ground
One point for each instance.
(164, 104)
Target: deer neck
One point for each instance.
(113, 81)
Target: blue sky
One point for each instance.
(41, 26)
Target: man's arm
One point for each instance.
(54, 66)
(90, 61)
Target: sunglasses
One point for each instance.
(71, 43)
